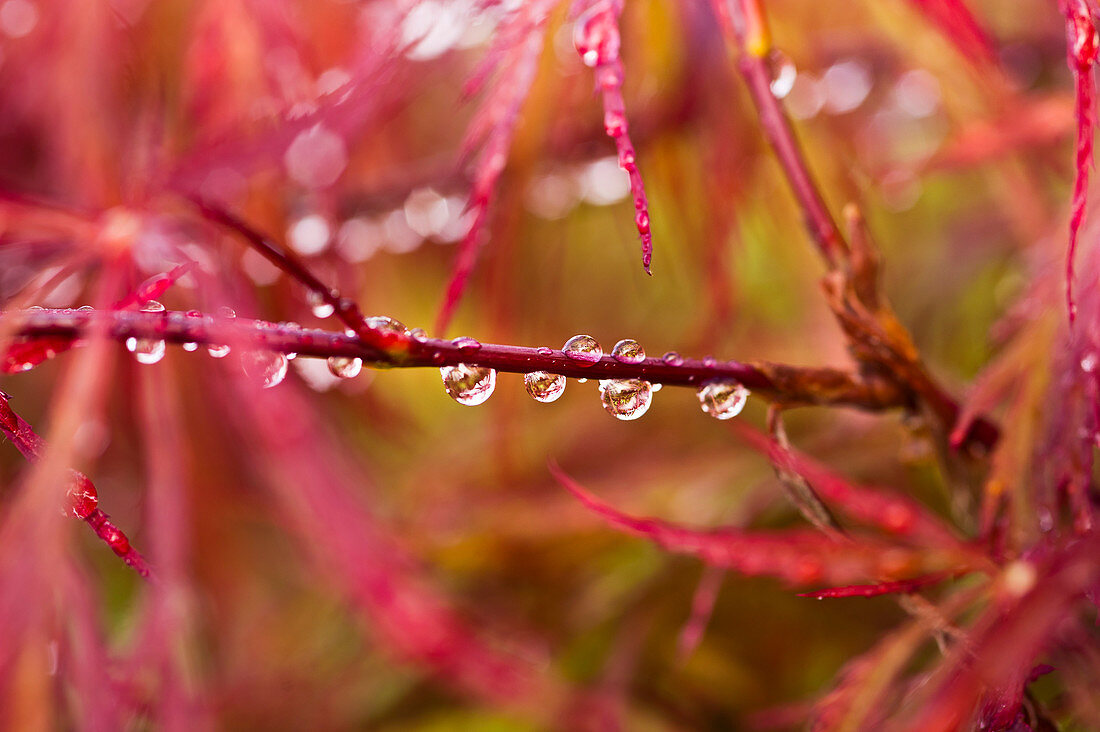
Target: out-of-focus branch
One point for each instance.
(877, 340)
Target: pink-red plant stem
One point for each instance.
(790, 384)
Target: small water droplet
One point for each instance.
(1088, 363)
(386, 324)
(626, 399)
(291, 356)
(544, 351)
(544, 386)
(344, 366)
(193, 314)
(596, 36)
(710, 362)
(84, 308)
(722, 398)
(466, 344)
(469, 385)
(583, 348)
(672, 358)
(318, 306)
(419, 335)
(190, 346)
(267, 368)
(628, 351)
(226, 312)
(218, 351)
(582, 381)
(783, 73)
(656, 387)
(147, 350)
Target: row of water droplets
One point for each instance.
(266, 368)
(468, 384)
(625, 399)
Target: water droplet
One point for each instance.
(344, 366)
(722, 398)
(469, 385)
(226, 312)
(320, 308)
(544, 386)
(626, 399)
(544, 351)
(583, 348)
(291, 356)
(582, 381)
(672, 358)
(656, 387)
(190, 346)
(466, 344)
(267, 368)
(193, 314)
(147, 350)
(628, 351)
(386, 325)
(419, 335)
(84, 308)
(217, 351)
(783, 73)
(641, 220)
(1088, 363)
(596, 36)
(710, 362)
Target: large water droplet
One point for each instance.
(267, 368)
(628, 351)
(596, 35)
(626, 399)
(147, 350)
(544, 386)
(783, 73)
(583, 348)
(722, 398)
(469, 385)
(344, 366)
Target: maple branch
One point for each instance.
(81, 496)
(789, 385)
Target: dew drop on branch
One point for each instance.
(628, 351)
(345, 367)
(319, 307)
(419, 335)
(147, 350)
(626, 399)
(583, 348)
(544, 386)
(468, 385)
(783, 73)
(672, 358)
(218, 350)
(722, 398)
(466, 344)
(267, 368)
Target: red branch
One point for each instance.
(1082, 45)
(81, 496)
(790, 384)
